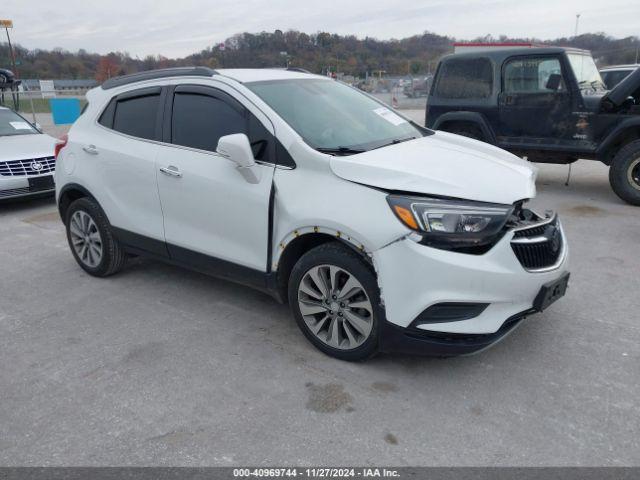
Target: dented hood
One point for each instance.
(443, 164)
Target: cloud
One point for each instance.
(176, 29)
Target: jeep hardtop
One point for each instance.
(548, 104)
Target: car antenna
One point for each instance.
(566, 183)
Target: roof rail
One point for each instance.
(159, 73)
(297, 69)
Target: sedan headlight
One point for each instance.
(451, 223)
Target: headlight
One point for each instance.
(451, 222)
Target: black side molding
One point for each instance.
(199, 262)
(159, 73)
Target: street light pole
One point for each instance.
(577, 23)
(8, 24)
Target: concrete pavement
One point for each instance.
(162, 366)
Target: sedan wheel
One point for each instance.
(335, 307)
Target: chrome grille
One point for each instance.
(540, 246)
(14, 192)
(28, 167)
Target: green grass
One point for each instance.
(40, 105)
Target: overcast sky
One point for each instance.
(179, 27)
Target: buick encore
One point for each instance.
(381, 235)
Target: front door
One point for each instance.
(212, 216)
(535, 105)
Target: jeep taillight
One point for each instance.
(60, 144)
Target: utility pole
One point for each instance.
(7, 24)
(577, 23)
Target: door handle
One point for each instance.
(171, 171)
(90, 149)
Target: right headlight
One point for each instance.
(451, 223)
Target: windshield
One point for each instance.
(614, 77)
(13, 124)
(585, 70)
(333, 117)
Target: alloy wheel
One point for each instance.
(85, 238)
(335, 307)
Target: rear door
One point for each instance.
(529, 110)
(117, 162)
(213, 218)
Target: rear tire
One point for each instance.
(624, 173)
(91, 240)
(335, 300)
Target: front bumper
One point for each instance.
(414, 277)
(414, 341)
(19, 186)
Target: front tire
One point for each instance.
(624, 173)
(91, 240)
(334, 297)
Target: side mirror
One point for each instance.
(236, 148)
(554, 81)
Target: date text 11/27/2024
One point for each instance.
(316, 472)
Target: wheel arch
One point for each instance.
(300, 241)
(68, 194)
(627, 132)
(467, 118)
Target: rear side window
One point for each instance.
(137, 116)
(465, 78)
(200, 120)
(106, 119)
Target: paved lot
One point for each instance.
(162, 366)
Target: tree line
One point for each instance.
(319, 52)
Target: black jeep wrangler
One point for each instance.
(548, 104)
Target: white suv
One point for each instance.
(382, 235)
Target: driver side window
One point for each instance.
(199, 121)
(533, 75)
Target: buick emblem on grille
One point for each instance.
(36, 166)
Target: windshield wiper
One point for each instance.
(353, 151)
(395, 141)
(340, 150)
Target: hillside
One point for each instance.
(316, 52)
